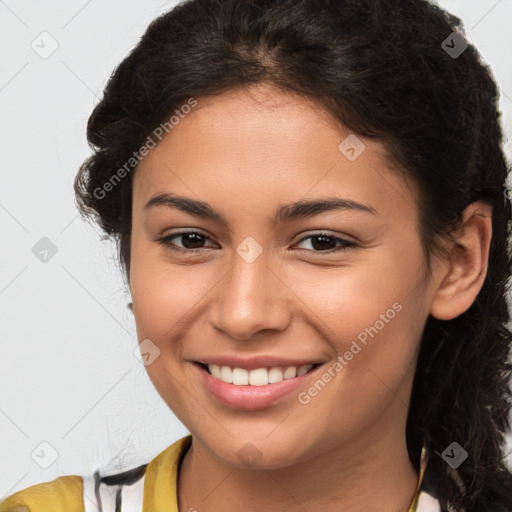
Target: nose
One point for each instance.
(250, 298)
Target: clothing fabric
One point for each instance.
(150, 487)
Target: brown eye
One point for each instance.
(328, 243)
(191, 241)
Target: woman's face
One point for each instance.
(275, 280)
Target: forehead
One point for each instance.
(266, 143)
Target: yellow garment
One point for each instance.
(159, 496)
(65, 494)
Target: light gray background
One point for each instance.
(68, 376)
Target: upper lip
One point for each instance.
(254, 362)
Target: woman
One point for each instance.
(309, 198)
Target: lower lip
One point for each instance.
(249, 397)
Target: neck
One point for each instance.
(367, 471)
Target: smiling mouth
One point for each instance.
(257, 377)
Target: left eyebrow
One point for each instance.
(306, 209)
(284, 212)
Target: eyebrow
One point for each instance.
(284, 212)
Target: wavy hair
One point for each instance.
(380, 68)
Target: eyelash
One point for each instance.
(167, 242)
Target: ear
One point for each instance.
(466, 267)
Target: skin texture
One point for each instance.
(245, 152)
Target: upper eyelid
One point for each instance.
(304, 237)
(320, 232)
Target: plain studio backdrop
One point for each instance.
(73, 396)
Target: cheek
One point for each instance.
(370, 322)
(351, 299)
(170, 306)
(373, 316)
(159, 290)
(374, 331)
(162, 292)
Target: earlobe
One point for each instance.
(467, 265)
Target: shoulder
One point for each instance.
(64, 494)
(108, 490)
(100, 492)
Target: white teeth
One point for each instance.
(240, 376)
(301, 370)
(290, 372)
(275, 375)
(226, 374)
(258, 377)
(215, 371)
